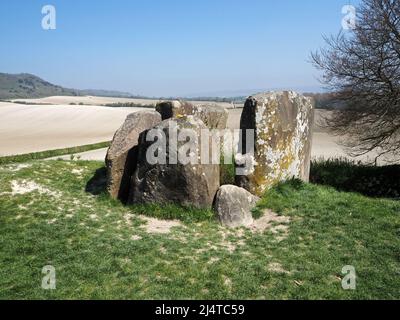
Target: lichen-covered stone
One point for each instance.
(213, 115)
(192, 184)
(122, 155)
(282, 123)
(234, 205)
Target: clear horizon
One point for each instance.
(178, 48)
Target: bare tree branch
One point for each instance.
(363, 72)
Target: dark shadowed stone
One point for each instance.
(233, 206)
(190, 185)
(122, 155)
(174, 109)
(283, 132)
(213, 115)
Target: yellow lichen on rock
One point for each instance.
(282, 123)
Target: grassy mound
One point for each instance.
(51, 215)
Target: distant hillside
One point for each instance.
(26, 86)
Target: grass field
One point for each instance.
(52, 153)
(55, 213)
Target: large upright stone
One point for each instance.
(213, 115)
(171, 180)
(122, 155)
(282, 123)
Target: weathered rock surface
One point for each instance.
(174, 109)
(282, 123)
(122, 155)
(213, 115)
(233, 206)
(189, 184)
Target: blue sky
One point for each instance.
(169, 47)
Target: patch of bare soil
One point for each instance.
(159, 226)
(277, 268)
(272, 222)
(25, 186)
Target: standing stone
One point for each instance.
(282, 123)
(213, 115)
(234, 205)
(122, 155)
(172, 181)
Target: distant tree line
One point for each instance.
(129, 105)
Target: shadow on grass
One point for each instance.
(349, 176)
(97, 185)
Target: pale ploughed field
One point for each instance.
(55, 124)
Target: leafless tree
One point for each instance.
(362, 69)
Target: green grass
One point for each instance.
(227, 171)
(171, 212)
(51, 153)
(101, 249)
